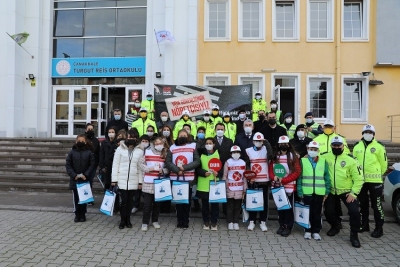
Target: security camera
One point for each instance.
(366, 73)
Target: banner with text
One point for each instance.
(195, 103)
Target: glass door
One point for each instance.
(103, 110)
(131, 94)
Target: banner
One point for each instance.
(195, 103)
(229, 98)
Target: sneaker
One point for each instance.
(230, 226)
(214, 227)
(144, 227)
(206, 226)
(263, 227)
(236, 226)
(316, 236)
(156, 225)
(251, 226)
(134, 210)
(307, 235)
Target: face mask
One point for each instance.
(90, 134)
(143, 115)
(312, 153)
(187, 130)
(284, 147)
(111, 135)
(80, 144)
(227, 119)
(368, 137)
(215, 112)
(337, 151)
(130, 142)
(273, 106)
(117, 117)
(261, 117)
(137, 105)
(158, 147)
(144, 145)
(258, 144)
(206, 118)
(242, 116)
(182, 140)
(258, 97)
(288, 120)
(248, 130)
(272, 121)
(236, 156)
(300, 134)
(309, 120)
(185, 118)
(328, 131)
(164, 118)
(166, 133)
(150, 134)
(149, 98)
(120, 139)
(220, 133)
(209, 147)
(200, 135)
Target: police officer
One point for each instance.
(258, 104)
(371, 154)
(288, 125)
(148, 104)
(185, 119)
(324, 140)
(143, 122)
(314, 129)
(207, 123)
(346, 182)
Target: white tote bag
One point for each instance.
(180, 192)
(217, 192)
(84, 193)
(302, 215)
(107, 206)
(254, 200)
(245, 214)
(280, 198)
(162, 190)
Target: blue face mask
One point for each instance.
(200, 135)
(149, 98)
(117, 117)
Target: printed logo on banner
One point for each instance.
(244, 91)
(63, 67)
(167, 90)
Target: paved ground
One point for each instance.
(38, 230)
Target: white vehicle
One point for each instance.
(392, 189)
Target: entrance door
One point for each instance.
(70, 110)
(285, 95)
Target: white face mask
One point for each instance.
(273, 106)
(164, 118)
(312, 153)
(368, 137)
(144, 145)
(300, 134)
(206, 118)
(258, 144)
(248, 130)
(220, 133)
(209, 147)
(258, 97)
(166, 133)
(150, 134)
(309, 120)
(288, 120)
(236, 156)
(158, 147)
(242, 116)
(137, 105)
(111, 135)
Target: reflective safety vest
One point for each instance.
(149, 106)
(313, 181)
(182, 155)
(209, 125)
(230, 130)
(203, 183)
(314, 127)
(141, 125)
(259, 163)
(290, 131)
(151, 161)
(324, 142)
(257, 105)
(236, 169)
(179, 126)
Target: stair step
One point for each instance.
(23, 171)
(42, 187)
(28, 178)
(32, 158)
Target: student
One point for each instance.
(205, 175)
(313, 186)
(166, 133)
(235, 187)
(80, 164)
(150, 131)
(107, 151)
(287, 157)
(95, 144)
(152, 165)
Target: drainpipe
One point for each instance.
(338, 85)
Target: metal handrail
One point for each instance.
(391, 125)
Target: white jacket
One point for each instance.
(121, 167)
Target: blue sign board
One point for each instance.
(98, 67)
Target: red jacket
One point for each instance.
(291, 176)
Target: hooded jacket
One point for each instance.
(79, 160)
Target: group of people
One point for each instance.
(318, 168)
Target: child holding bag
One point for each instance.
(287, 158)
(235, 187)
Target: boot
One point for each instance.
(128, 224)
(77, 218)
(364, 228)
(122, 224)
(333, 231)
(355, 242)
(83, 217)
(378, 232)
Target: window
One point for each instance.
(320, 20)
(320, 98)
(218, 81)
(353, 95)
(257, 83)
(217, 19)
(251, 19)
(68, 23)
(355, 19)
(285, 19)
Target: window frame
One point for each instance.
(251, 77)
(365, 99)
(262, 22)
(365, 21)
(207, 38)
(330, 21)
(330, 101)
(217, 77)
(296, 20)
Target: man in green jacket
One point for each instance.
(148, 104)
(258, 104)
(185, 119)
(346, 183)
(143, 122)
(371, 154)
(324, 140)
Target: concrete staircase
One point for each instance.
(39, 164)
(35, 165)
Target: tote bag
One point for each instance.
(217, 192)
(162, 190)
(84, 193)
(107, 206)
(254, 200)
(280, 198)
(180, 191)
(302, 214)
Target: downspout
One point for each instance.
(338, 83)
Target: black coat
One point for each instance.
(96, 149)
(120, 125)
(79, 161)
(239, 127)
(224, 149)
(273, 134)
(170, 123)
(300, 146)
(107, 151)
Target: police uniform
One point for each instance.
(142, 124)
(257, 105)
